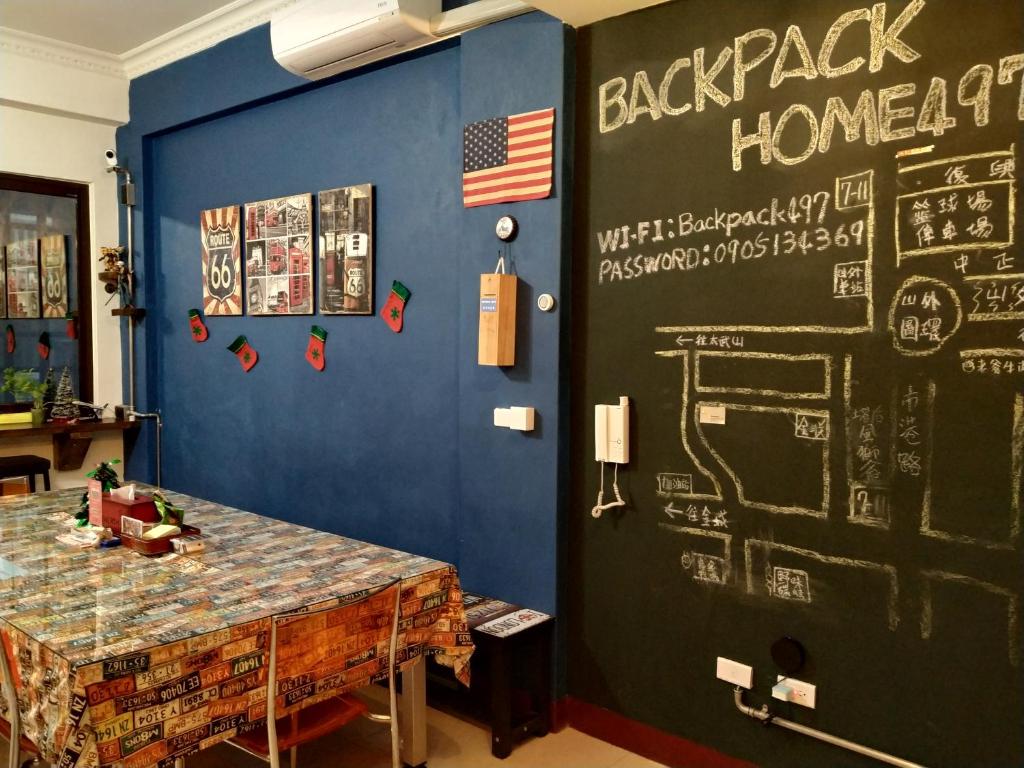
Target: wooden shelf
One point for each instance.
(137, 312)
(71, 441)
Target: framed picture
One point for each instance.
(278, 256)
(220, 233)
(53, 275)
(345, 275)
(3, 277)
(23, 279)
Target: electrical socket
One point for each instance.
(735, 673)
(795, 691)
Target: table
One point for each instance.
(128, 661)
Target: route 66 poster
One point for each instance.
(54, 276)
(345, 281)
(222, 261)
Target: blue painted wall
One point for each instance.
(394, 441)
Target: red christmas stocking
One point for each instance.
(395, 306)
(315, 350)
(71, 327)
(199, 332)
(246, 354)
(44, 345)
(10, 339)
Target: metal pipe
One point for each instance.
(129, 203)
(766, 717)
(159, 438)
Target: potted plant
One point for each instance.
(24, 383)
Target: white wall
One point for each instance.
(58, 113)
(39, 144)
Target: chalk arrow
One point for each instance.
(681, 341)
(672, 511)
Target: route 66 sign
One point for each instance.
(222, 261)
(345, 277)
(53, 274)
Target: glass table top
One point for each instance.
(92, 604)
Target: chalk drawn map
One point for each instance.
(842, 445)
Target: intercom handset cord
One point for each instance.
(601, 506)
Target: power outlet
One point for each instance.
(795, 691)
(735, 673)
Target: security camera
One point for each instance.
(111, 157)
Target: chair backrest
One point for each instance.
(317, 654)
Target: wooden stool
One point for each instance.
(511, 672)
(28, 466)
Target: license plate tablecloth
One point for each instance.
(130, 661)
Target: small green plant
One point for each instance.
(24, 383)
(169, 514)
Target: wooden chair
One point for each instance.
(26, 465)
(290, 726)
(11, 730)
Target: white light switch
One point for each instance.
(735, 673)
(516, 417)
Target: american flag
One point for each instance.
(508, 158)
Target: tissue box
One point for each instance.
(141, 508)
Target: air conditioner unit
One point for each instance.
(320, 38)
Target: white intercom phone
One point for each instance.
(611, 432)
(611, 445)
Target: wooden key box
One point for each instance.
(157, 546)
(497, 342)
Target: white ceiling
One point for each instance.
(579, 13)
(118, 26)
(112, 26)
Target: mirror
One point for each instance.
(45, 264)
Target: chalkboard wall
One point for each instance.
(798, 254)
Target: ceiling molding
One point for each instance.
(233, 19)
(58, 52)
(202, 33)
(197, 35)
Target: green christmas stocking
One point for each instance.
(246, 354)
(315, 350)
(195, 321)
(395, 306)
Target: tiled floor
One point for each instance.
(452, 743)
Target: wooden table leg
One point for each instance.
(543, 644)
(501, 700)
